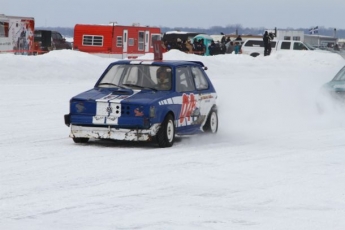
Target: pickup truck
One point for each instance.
(47, 40)
(255, 46)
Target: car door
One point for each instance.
(196, 99)
(206, 96)
(188, 97)
(59, 41)
(56, 40)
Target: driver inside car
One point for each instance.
(164, 78)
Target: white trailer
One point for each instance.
(16, 34)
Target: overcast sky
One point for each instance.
(181, 13)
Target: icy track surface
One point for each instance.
(276, 163)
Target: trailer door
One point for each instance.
(125, 41)
(147, 41)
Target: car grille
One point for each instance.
(127, 110)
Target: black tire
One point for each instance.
(166, 133)
(80, 140)
(211, 125)
(254, 54)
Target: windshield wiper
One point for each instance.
(141, 87)
(109, 83)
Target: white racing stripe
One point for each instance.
(108, 108)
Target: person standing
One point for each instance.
(270, 38)
(229, 48)
(223, 38)
(189, 46)
(212, 48)
(267, 43)
(239, 38)
(237, 48)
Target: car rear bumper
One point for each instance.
(114, 133)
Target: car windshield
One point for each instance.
(137, 77)
(309, 46)
(340, 75)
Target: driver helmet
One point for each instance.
(163, 75)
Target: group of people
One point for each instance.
(196, 47)
(225, 46)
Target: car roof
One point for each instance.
(274, 40)
(172, 63)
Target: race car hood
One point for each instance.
(143, 97)
(338, 86)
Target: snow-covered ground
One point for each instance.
(276, 163)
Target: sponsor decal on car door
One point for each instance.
(195, 108)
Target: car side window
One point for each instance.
(58, 36)
(299, 46)
(199, 78)
(184, 81)
(285, 45)
(254, 43)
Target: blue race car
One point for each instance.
(336, 87)
(332, 94)
(138, 100)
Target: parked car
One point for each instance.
(136, 100)
(255, 46)
(47, 40)
(332, 93)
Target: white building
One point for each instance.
(311, 39)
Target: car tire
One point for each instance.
(166, 133)
(254, 54)
(211, 125)
(79, 140)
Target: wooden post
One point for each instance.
(157, 50)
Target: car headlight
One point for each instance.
(152, 111)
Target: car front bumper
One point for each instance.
(114, 133)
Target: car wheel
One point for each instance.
(166, 133)
(254, 54)
(211, 125)
(80, 140)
